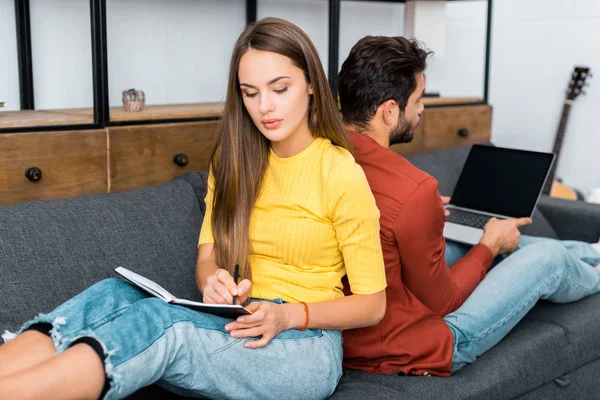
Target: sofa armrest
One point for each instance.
(572, 220)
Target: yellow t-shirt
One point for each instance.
(315, 220)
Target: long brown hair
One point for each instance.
(241, 152)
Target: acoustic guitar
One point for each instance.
(553, 186)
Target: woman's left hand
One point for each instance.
(267, 320)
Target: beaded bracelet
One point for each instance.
(306, 311)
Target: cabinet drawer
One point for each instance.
(72, 163)
(449, 127)
(144, 155)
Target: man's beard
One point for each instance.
(403, 132)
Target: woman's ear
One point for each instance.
(310, 89)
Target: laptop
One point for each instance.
(495, 182)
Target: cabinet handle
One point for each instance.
(180, 159)
(34, 174)
(463, 132)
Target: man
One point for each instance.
(438, 319)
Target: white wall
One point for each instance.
(62, 75)
(359, 19)
(536, 44)
(312, 16)
(9, 72)
(176, 51)
(461, 71)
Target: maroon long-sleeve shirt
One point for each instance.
(412, 338)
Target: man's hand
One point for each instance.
(267, 321)
(446, 200)
(220, 289)
(502, 236)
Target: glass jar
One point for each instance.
(133, 100)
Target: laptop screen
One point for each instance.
(502, 181)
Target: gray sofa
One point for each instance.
(52, 250)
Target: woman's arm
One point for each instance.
(206, 265)
(269, 319)
(354, 311)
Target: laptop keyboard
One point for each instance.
(467, 218)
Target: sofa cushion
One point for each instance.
(580, 322)
(446, 165)
(579, 384)
(52, 250)
(551, 341)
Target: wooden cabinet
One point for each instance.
(59, 164)
(74, 163)
(447, 127)
(146, 155)
(456, 126)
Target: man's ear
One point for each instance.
(390, 111)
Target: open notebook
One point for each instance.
(152, 288)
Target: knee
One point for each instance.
(546, 255)
(117, 291)
(152, 304)
(112, 283)
(153, 309)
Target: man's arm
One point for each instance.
(419, 236)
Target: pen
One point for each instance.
(236, 276)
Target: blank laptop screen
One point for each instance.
(502, 181)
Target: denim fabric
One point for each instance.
(188, 352)
(558, 271)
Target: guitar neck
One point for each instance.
(558, 142)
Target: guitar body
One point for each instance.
(561, 191)
(554, 187)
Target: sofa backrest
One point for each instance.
(445, 166)
(52, 250)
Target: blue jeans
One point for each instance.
(540, 268)
(188, 352)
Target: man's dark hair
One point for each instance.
(379, 68)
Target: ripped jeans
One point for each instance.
(145, 341)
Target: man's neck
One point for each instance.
(382, 138)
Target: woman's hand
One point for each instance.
(220, 289)
(267, 320)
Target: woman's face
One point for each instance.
(275, 93)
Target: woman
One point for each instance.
(288, 204)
